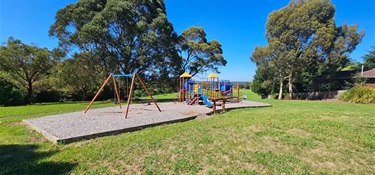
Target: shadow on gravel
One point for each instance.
(24, 159)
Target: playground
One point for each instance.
(211, 93)
(76, 126)
(192, 100)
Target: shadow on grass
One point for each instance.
(25, 159)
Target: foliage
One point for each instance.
(369, 59)
(125, 36)
(359, 80)
(9, 94)
(25, 64)
(352, 66)
(244, 85)
(304, 35)
(364, 95)
(291, 137)
(270, 61)
(261, 86)
(331, 85)
(198, 55)
(49, 96)
(80, 76)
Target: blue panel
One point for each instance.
(191, 90)
(200, 89)
(185, 85)
(191, 82)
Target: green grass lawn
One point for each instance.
(291, 137)
(44, 109)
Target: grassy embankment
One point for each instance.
(292, 137)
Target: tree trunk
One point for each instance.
(29, 92)
(291, 85)
(281, 88)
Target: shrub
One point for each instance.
(9, 94)
(365, 95)
(49, 96)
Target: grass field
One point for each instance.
(291, 137)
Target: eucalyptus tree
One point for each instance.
(77, 75)
(124, 35)
(270, 61)
(310, 38)
(199, 55)
(25, 64)
(369, 59)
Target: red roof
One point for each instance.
(369, 73)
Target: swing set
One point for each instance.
(117, 94)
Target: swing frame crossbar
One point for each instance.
(117, 94)
(122, 75)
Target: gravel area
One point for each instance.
(76, 126)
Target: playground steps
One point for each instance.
(192, 101)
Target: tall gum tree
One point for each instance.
(124, 35)
(309, 36)
(369, 59)
(25, 64)
(270, 60)
(199, 55)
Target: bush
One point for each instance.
(49, 96)
(364, 95)
(10, 95)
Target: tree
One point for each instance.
(198, 55)
(77, 75)
(261, 85)
(307, 33)
(9, 94)
(369, 59)
(124, 35)
(25, 64)
(271, 59)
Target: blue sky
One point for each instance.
(238, 24)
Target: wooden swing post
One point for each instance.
(97, 93)
(131, 92)
(130, 96)
(117, 95)
(148, 92)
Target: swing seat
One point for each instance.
(144, 101)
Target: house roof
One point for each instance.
(369, 73)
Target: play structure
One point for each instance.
(113, 76)
(210, 93)
(212, 90)
(107, 121)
